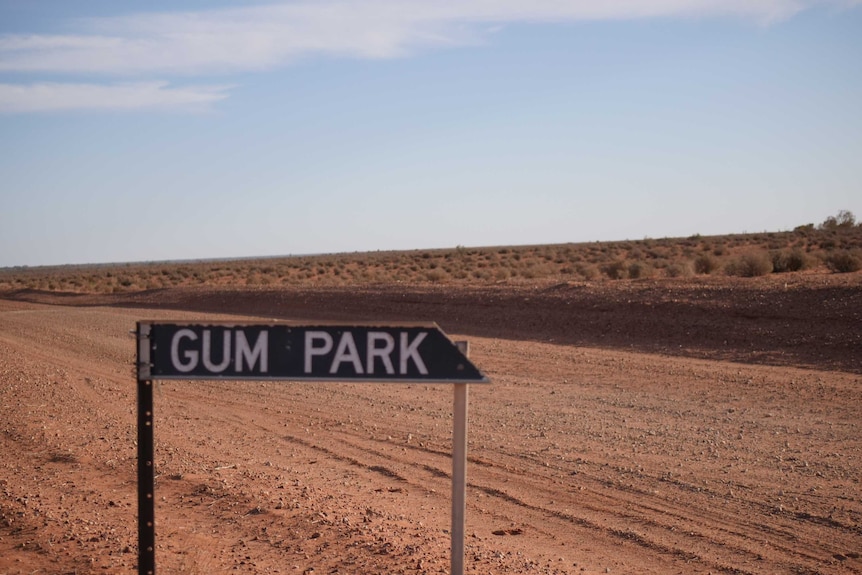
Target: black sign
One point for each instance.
(407, 353)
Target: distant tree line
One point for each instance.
(843, 221)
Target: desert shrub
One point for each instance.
(845, 261)
(639, 270)
(752, 264)
(678, 270)
(587, 271)
(528, 273)
(538, 271)
(789, 261)
(705, 264)
(615, 270)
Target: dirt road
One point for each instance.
(581, 460)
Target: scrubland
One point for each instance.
(808, 248)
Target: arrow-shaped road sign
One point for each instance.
(288, 351)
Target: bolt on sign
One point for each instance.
(397, 353)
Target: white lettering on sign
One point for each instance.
(411, 351)
(207, 355)
(251, 356)
(244, 353)
(380, 352)
(346, 353)
(312, 350)
(191, 356)
(380, 346)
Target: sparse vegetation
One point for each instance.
(834, 245)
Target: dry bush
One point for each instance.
(615, 270)
(794, 260)
(678, 270)
(845, 261)
(705, 264)
(829, 243)
(538, 270)
(587, 271)
(749, 265)
(640, 270)
(435, 275)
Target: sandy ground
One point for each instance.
(630, 428)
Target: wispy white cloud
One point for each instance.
(51, 96)
(263, 37)
(229, 40)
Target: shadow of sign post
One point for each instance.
(286, 351)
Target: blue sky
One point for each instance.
(155, 131)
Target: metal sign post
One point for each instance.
(459, 470)
(397, 353)
(459, 478)
(146, 458)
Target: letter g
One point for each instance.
(191, 356)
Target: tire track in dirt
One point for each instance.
(753, 535)
(346, 448)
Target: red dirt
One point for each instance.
(631, 427)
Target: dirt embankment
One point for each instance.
(812, 320)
